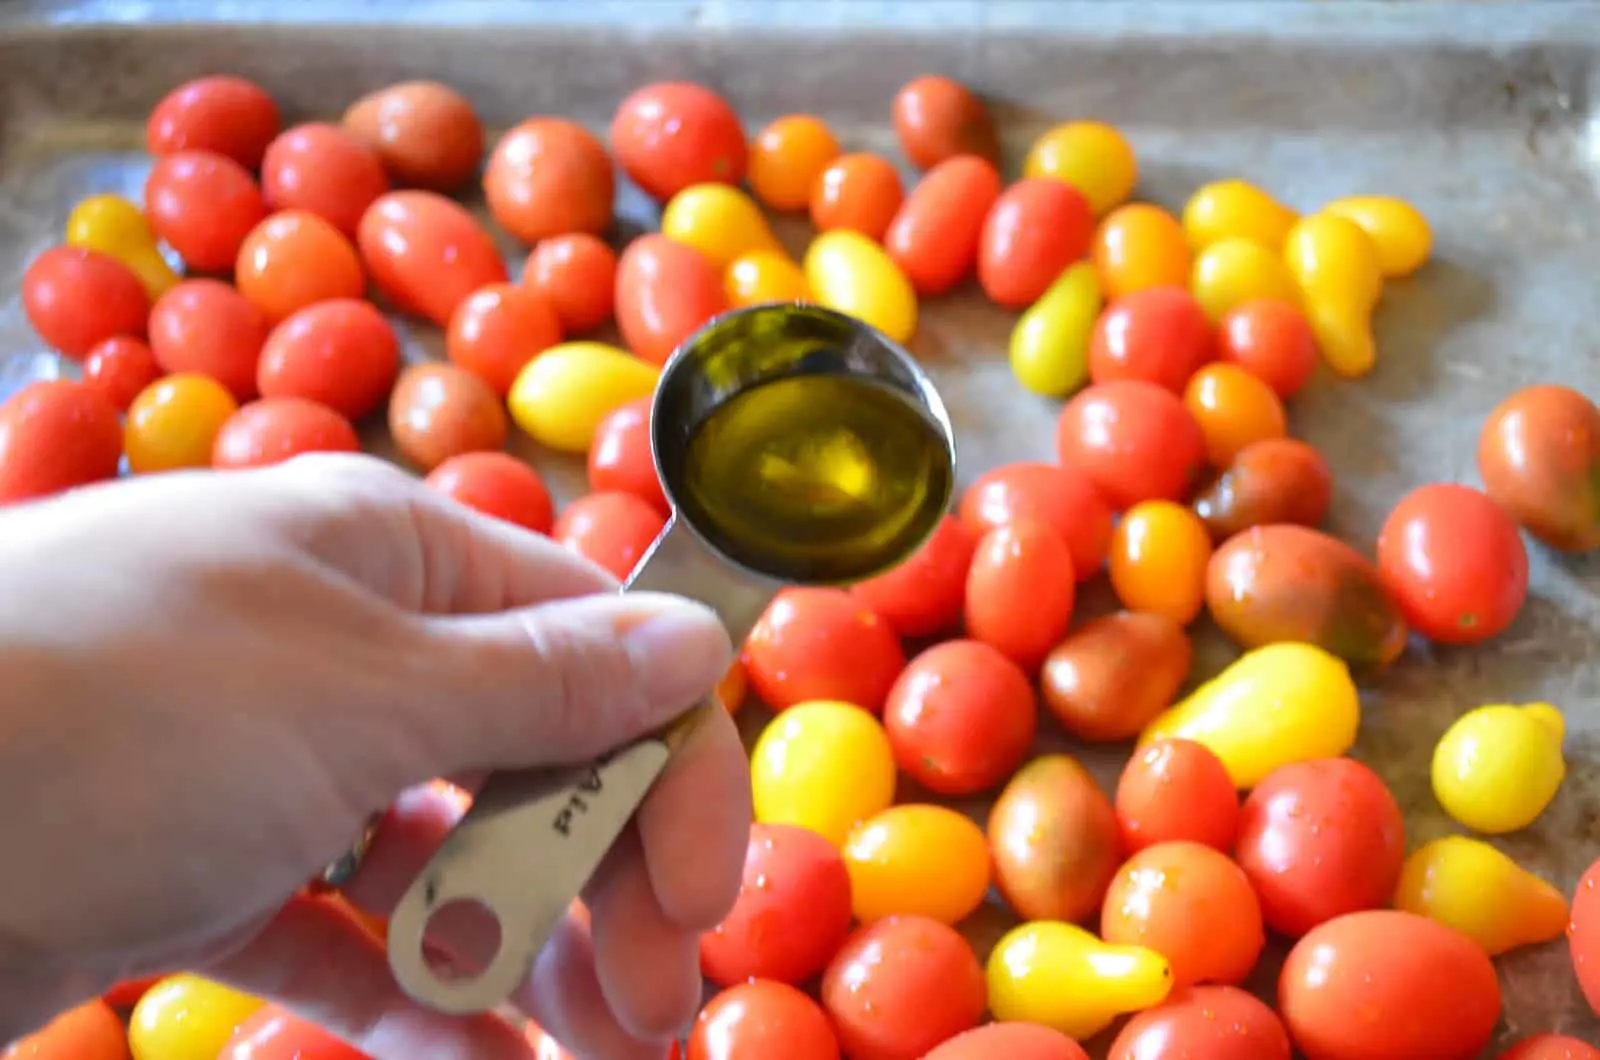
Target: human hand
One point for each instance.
(208, 682)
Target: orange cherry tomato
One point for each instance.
(76, 299)
(822, 643)
(1014, 1041)
(1034, 230)
(1234, 409)
(673, 134)
(426, 253)
(1177, 790)
(203, 204)
(548, 176)
(272, 430)
(322, 169)
(1061, 496)
(764, 276)
(498, 330)
(961, 718)
(1204, 1023)
(439, 411)
(497, 484)
(294, 259)
(760, 1020)
(229, 115)
(207, 327)
(1583, 935)
(1158, 560)
(1550, 1047)
(1020, 591)
(857, 192)
(426, 134)
(937, 118)
(665, 293)
(924, 595)
(88, 1032)
(610, 530)
(275, 1034)
(620, 458)
(935, 234)
(342, 353)
(577, 274)
(733, 689)
(1134, 439)
(173, 423)
(788, 157)
(1159, 335)
(119, 368)
(55, 435)
(1139, 246)
(1271, 340)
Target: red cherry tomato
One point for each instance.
(428, 134)
(961, 718)
(672, 134)
(1454, 562)
(620, 457)
(577, 274)
(497, 484)
(127, 993)
(1583, 935)
(437, 411)
(1134, 439)
(294, 259)
(760, 1021)
(1271, 340)
(1033, 232)
(325, 170)
(792, 913)
(924, 595)
(426, 253)
(342, 353)
(1550, 1047)
(611, 530)
(55, 435)
(1020, 592)
(1177, 790)
(498, 330)
(229, 115)
(76, 299)
(1063, 497)
(859, 192)
(820, 643)
(1204, 1023)
(937, 118)
(1159, 335)
(1319, 839)
(1388, 985)
(272, 430)
(935, 234)
(119, 368)
(203, 204)
(901, 986)
(207, 327)
(274, 1034)
(88, 1032)
(548, 176)
(665, 292)
(1012, 1041)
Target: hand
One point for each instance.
(208, 682)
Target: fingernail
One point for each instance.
(680, 649)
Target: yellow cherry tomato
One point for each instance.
(117, 228)
(1092, 156)
(719, 221)
(560, 396)
(823, 765)
(1050, 342)
(1344, 336)
(1334, 261)
(1158, 558)
(1238, 209)
(764, 276)
(173, 422)
(1402, 235)
(1061, 976)
(917, 859)
(850, 273)
(1277, 704)
(1498, 767)
(186, 1017)
(1139, 246)
(1482, 893)
(1235, 270)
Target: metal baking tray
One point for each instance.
(1480, 113)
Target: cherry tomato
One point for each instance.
(76, 299)
(1158, 562)
(229, 115)
(764, 276)
(1034, 230)
(937, 118)
(1176, 790)
(610, 530)
(901, 986)
(275, 1034)
(935, 234)
(859, 193)
(822, 643)
(185, 1017)
(119, 368)
(426, 134)
(1271, 340)
(1054, 837)
(497, 484)
(1320, 839)
(55, 435)
(439, 411)
(823, 765)
(426, 253)
(925, 594)
(1454, 562)
(1550, 1047)
(733, 689)
(1204, 1023)
(760, 1020)
(205, 326)
(1134, 439)
(1062, 497)
(203, 204)
(917, 859)
(1113, 675)
(1159, 335)
(673, 134)
(1014, 1041)
(792, 913)
(1092, 156)
(577, 274)
(88, 1032)
(272, 430)
(1276, 480)
(621, 458)
(1020, 591)
(1583, 935)
(322, 169)
(961, 718)
(173, 423)
(1382, 985)
(665, 293)
(1140, 246)
(787, 158)
(127, 993)
(342, 353)
(1234, 409)
(548, 176)
(1538, 456)
(294, 259)
(498, 329)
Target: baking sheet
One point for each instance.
(1479, 113)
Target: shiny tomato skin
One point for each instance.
(325, 170)
(621, 457)
(497, 484)
(1062, 496)
(91, 1031)
(76, 299)
(498, 329)
(1177, 790)
(822, 643)
(611, 530)
(119, 368)
(1550, 1047)
(924, 595)
(673, 134)
(1204, 1023)
(1134, 439)
(936, 118)
(935, 235)
(1455, 563)
(207, 327)
(1012, 1041)
(55, 435)
(272, 430)
(549, 176)
(438, 411)
(229, 115)
(1021, 591)
(427, 134)
(1539, 455)
(665, 292)
(203, 205)
(274, 1034)
(1034, 230)
(577, 273)
(342, 353)
(426, 253)
(294, 259)
(1159, 335)
(1583, 935)
(760, 1020)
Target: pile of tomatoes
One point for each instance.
(250, 310)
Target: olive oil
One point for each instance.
(816, 478)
